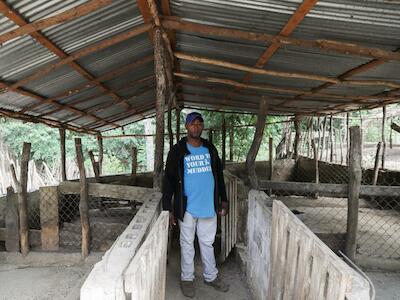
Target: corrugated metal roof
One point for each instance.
(370, 23)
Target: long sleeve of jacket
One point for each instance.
(169, 181)
(220, 178)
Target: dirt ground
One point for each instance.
(229, 272)
(42, 281)
(387, 285)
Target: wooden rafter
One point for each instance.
(49, 122)
(65, 16)
(308, 76)
(291, 25)
(323, 45)
(86, 85)
(70, 59)
(44, 99)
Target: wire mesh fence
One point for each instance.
(379, 216)
(108, 218)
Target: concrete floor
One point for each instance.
(387, 285)
(229, 272)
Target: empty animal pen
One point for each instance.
(93, 66)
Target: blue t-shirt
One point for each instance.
(199, 182)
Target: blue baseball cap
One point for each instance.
(193, 116)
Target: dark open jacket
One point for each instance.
(174, 174)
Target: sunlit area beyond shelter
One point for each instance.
(300, 98)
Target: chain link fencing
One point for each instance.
(379, 216)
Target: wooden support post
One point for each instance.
(169, 124)
(134, 165)
(341, 144)
(84, 199)
(178, 123)
(95, 166)
(297, 137)
(354, 191)
(383, 136)
(347, 138)
(331, 137)
(62, 150)
(315, 152)
(376, 165)
(271, 157)
(23, 200)
(255, 146)
(210, 135)
(49, 218)
(161, 91)
(323, 138)
(223, 137)
(12, 221)
(391, 137)
(101, 154)
(231, 137)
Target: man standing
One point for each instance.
(193, 174)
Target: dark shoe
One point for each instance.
(218, 284)
(187, 288)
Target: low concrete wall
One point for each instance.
(259, 224)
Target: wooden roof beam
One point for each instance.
(68, 15)
(323, 45)
(43, 99)
(70, 60)
(290, 26)
(107, 76)
(297, 75)
(48, 122)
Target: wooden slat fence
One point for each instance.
(229, 222)
(146, 274)
(302, 266)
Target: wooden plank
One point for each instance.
(383, 135)
(376, 165)
(291, 262)
(84, 199)
(12, 222)
(23, 200)
(101, 153)
(355, 174)
(95, 166)
(49, 218)
(132, 193)
(134, 164)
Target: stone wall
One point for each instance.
(259, 225)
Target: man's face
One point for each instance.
(195, 128)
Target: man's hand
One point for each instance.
(224, 210)
(172, 219)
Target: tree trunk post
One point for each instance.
(271, 157)
(376, 165)
(255, 146)
(315, 153)
(347, 138)
(134, 165)
(210, 135)
(297, 137)
(95, 165)
(231, 137)
(169, 124)
(62, 150)
(101, 153)
(354, 191)
(12, 221)
(23, 200)
(323, 138)
(178, 124)
(84, 199)
(331, 136)
(161, 94)
(383, 136)
(223, 137)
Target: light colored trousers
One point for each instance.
(206, 229)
